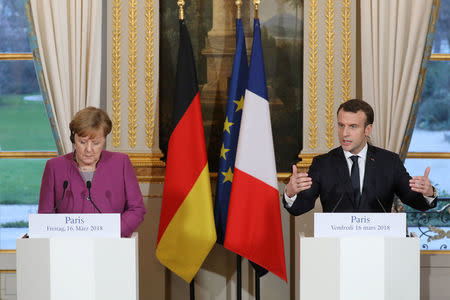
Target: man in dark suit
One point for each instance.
(357, 177)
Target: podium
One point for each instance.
(77, 268)
(347, 268)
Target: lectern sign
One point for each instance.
(74, 225)
(359, 224)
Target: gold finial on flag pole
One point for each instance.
(256, 3)
(238, 6)
(181, 8)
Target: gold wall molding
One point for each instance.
(24, 155)
(313, 76)
(306, 160)
(146, 159)
(329, 66)
(346, 51)
(141, 161)
(115, 71)
(432, 252)
(149, 74)
(431, 155)
(16, 56)
(148, 166)
(440, 56)
(132, 70)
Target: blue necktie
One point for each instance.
(354, 175)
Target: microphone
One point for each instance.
(65, 184)
(376, 197)
(338, 202)
(88, 185)
(378, 200)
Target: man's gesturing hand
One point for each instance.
(298, 182)
(422, 184)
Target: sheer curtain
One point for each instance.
(393, 35)
(68, 58)
(423, 71)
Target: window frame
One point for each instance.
(432, 155)
(442, 155)
(8, 257)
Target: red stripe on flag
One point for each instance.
(186, 158)
(254, 227)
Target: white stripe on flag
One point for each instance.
(255, 155)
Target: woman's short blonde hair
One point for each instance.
(88, 120)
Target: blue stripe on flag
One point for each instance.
(257, 82)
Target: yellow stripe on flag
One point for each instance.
(191, 233)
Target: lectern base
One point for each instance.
(359, 268)
(80, 268)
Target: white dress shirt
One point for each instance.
(361, 163)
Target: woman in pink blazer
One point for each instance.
(109, 176)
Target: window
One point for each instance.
(430, 142)
(26, 140)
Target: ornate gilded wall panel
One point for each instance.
(116, 16)
(150, 74)
(132, 72)
(312, 55)
(330, 71)
(132, 82)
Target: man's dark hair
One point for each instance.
(355, 105)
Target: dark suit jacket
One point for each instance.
(384, 176)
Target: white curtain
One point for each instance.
(393, 35)
(69, 40)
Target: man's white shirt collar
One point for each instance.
(362, 153)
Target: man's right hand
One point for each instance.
(298, 182)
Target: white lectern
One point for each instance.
(77, 268)
(348, 268)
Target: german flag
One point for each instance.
(186, 227)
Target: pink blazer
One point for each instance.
(114, 189)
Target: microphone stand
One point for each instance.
(65, 184)
(89, 184)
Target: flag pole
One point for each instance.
(239, 277)
(192, 289)
(256, 3)
(238, 4)
(257, 286)
(181, 9)
(238, 257)
(238, 8)
(192, 283)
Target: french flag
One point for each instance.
(254, 228)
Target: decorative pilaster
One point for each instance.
(135, 118)
(321, 98)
